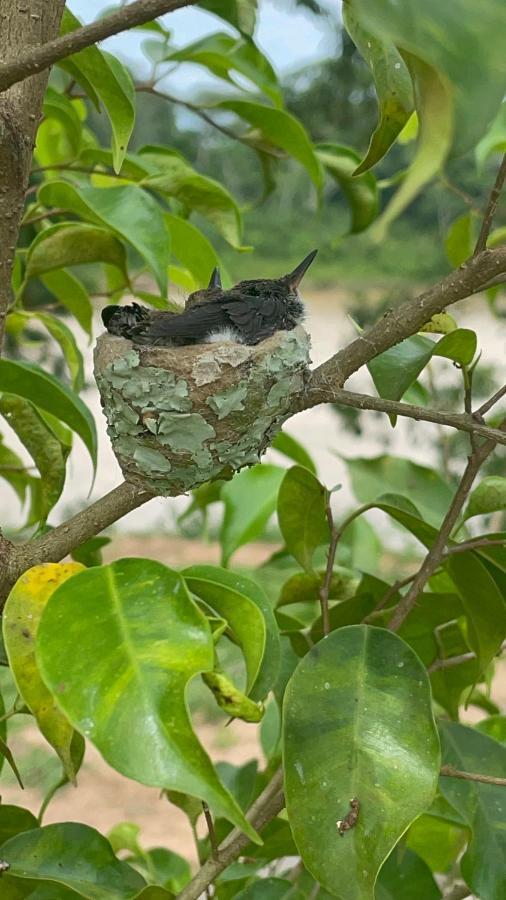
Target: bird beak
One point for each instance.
(215, 281)
(295, 277)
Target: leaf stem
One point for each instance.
(212, 833)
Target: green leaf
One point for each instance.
(45, 449)
(58, 106)
(250, 500)
(438, 842)
(12, 470)
(72, 294)
(234, 597)
(404, 876)
(73, 244)
(223, 55)
(494, 727)
(110, 81)
(483, 602)
(361, 191)
(142, 640)
(281, 129)
(90, 553)
(14, 820)
(21, 618)
(459, 240)
(395, 370)
(366, 696)
(47, 393)
(50, 854)
(287, 445)
(192, 249)
(63, 335)
(481, 805)
(231, 700)
(127, 209)
(489, 496)
(425, 487)
(434, 105)
(174, 176)
(494, 140)
(392, 83)
(302, 514)
(240, 13)
(459, 345)
(269, 889)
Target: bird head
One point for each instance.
(287, 286)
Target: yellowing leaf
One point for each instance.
(23, 610)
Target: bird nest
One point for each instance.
(180, 416)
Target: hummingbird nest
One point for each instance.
(180, 416)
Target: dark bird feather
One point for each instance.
(248, 313)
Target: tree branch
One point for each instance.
(265, 808)
(55, 545)
(23, 65)
(460, 421)
(451, 772)
(493, 200)
(398, 324)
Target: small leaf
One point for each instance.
(23, 610)
(404, 876)
(494, 727)
(62, 334)
(126, 209)
(360, 190)
(90, 553)
(479, 804)
(395, 370)
(72, 294)
(281, 129)
(270, 889)
(250, 500)
(192, 249)
(302, 514)
(240, 13)
(73, 244)
(14, 820)
(440, 323)
(59, 106)
(50, 854)
(392, 82)
(489, 496)
(459, 240)
(12, 470)
(110, 81)
(231, 700)
(46, 392)
(287, 445)
(494, 140)
(459, 345)
(366, 695)
(486, 619)
(142, 640)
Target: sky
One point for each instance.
(289, 36)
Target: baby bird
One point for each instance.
(248, 313)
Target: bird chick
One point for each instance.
(248, 313)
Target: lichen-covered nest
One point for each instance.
(179, 416)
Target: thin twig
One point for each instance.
(450, 661)
(37, 59)
(493, 200)
(451, 772)
(467, 376)
(485, 407)
(212, 833)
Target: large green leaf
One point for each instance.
(14, 820)
(21, 618)
(361, 191)
(357, 724)
(59, 106)
(426, 488)
(404, 876)
(250, 500)
(174, 176)
(240, 13)
(270, 889)
(392, 82)
(233, 597)
(73, 244)
(140, 643)
(281, 129)
(481, 805)
(302, 514)
(110, 81)
(72, 294)
(127, 209)
(483, 603)
(395, 370)
(192, 248)
(75, 856)
(223, 55)
(459, 345)
(43, 446)
(63, 335)
(287, 445)
(47, 393)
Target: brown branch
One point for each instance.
(55, 545)
(460, 421)
(485, 407)
(210, 827)
(398, 324)
(493, 200)
(451, 772)
(16, 69)
(435, 554)
(450, 661)
(265, 808)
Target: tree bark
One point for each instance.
(23, 24)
